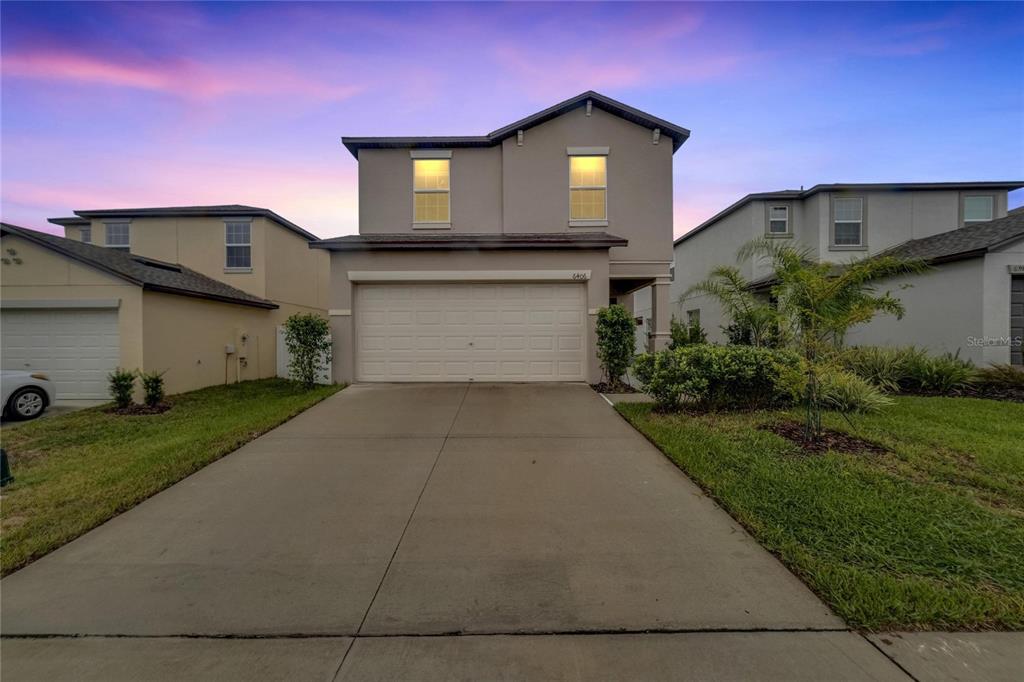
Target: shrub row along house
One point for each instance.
(970, 301)
(478, 258)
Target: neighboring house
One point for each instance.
(486, 258)
(959, 227)
(197, 292)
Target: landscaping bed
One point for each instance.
(75, 471)
(926, 532)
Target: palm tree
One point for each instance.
(732, 290)
(820, 301)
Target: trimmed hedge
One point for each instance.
(720, 377)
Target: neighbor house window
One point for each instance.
(979, 209)
(118, 236)
(693, 317)
(588, 188)
(431, 191)
(238, 244)
(85, 234)
(778, 220)
(848, 221)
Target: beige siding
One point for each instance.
(295, 274)
(46, 276)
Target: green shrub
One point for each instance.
(846, 392)
(719, 377)
(121, 386)
(153, 386)
(686, 334)
(1000, 376)
(308, 339)
(908, 369)
(616, 341)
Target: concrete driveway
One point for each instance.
(428, 532)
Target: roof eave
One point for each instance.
(266, 305)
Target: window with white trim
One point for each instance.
(238, 244)
(979, 209)
(431, 191)
(848, 221)
(85, 234)
(693, 317)
(118, 236)
(778, 220)
(588, 188)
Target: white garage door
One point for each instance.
(463, 332)
(77, 348)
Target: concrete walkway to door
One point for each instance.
(428, 532)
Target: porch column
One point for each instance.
(658, 337)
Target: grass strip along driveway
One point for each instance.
(927, 536)
(75, 471)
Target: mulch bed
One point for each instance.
(138, 410)
(605, 387)
(1008, 393)
(829, 440)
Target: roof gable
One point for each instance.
(677, 133)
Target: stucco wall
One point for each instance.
(995, 302)
(46, 276)
(943, 309)
(341, 289)
(295, 274)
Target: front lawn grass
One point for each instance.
(929, 536)
(75, 471)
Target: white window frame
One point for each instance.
(436, 155)
(963, 208)
(239, 268)
(86, 231)
(693, 316)
(863, 244)
(588, 151)
(119, 247)
(788, 232)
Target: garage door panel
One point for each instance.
(460, 332)
(78, 348)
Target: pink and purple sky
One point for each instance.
(110, 105)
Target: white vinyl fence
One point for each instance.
(283, 358)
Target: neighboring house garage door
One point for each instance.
(1016, 318)
(471, 332)
(76, 347)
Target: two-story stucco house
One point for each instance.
(486, 258)
(961, 229)
(198, 292)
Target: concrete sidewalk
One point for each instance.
(428, 532)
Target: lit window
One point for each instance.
(848, 220)
(238, 245)
(588, 188)
(778, 220)
(431, 191)
(85, 234)
(978, 209)
(118, 236)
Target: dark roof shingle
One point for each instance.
(148, 273)
(471, 241)
(964, 242)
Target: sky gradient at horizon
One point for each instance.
(157, 104)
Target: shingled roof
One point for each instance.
(149, 273)
(965, 242)
(471, 241)
(676, 133)
(217, 211)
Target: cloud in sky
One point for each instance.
(163, 103)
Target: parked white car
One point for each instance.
(25, 395)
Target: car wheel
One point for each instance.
(26, 403)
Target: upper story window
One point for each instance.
(85, 234)
(431, 191)
(778, 220)
(238, 244)
(848, 221)
(588, 188)
(118, 236)
(979, 209)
